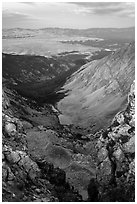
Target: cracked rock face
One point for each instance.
(116, 149)
(17, 166)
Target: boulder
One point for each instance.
(118, 154)
(102, 154)
(129, 147)
(12, 157)
(10, 129)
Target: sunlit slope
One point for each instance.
(99, 89)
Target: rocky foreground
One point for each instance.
(43, 161)
(116, 155)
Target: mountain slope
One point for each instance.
(97, 91)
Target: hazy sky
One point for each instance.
(68, 15)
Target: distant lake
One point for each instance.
(41, 46)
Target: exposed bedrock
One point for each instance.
(116, 154)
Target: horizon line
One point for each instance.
(68, 28)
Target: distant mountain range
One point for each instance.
(111, 33)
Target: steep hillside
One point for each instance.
(98, 90)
